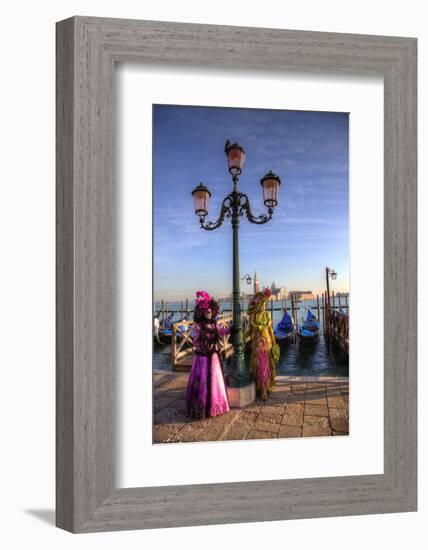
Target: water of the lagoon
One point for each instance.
(308, 359)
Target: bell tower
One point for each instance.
(256, 283)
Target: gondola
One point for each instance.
(163, 334)
(284, 330)
(309, 330)
(162, 330)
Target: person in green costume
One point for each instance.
(265, 351)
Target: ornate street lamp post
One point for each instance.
(235, 205)
(247, 278)
(329, 274)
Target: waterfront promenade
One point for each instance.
(297, 407)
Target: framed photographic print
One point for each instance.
(236, 274)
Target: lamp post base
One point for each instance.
(240, 397)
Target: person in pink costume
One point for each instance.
(206, 394)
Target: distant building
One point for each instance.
(301, 294)
(278, 293)
(256, 283)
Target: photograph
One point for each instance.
(251, 293)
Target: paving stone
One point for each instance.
(298, 397)
(211, 432)
(293, 415)
(278, 398)
(277, 408)
(266, 426)
(223, 419)
(189, 433)
(166, 433)
(282, 386)
(316, 410)
(315, 426)
(247, 416)
(289, 431)
(162, 402)
(162, 380)
(316, 386)
(269, 417)
(255, 407)
(294, 408)
(298, 388)
(256, 434)
(339, 423)
(335, 402)
(238, 431)
(168, 415)
(316, 398)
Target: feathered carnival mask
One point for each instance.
(259, 300)
(204, 302)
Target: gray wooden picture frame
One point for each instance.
(87, 50)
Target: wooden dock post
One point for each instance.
(271, 309)
(318, 307)
(173, 346)
(187, 308)
(182, 309)
(292, 316)
(326, 312)
(163, 311)
(323, 313)
(166, 310)
(340, 305)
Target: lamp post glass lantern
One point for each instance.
(235, 157)
(247, 278)
(270, 183)
(201, 196)
(234, 206)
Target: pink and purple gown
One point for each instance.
(206, 394)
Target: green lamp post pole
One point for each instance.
(235, 205)
(238, 375)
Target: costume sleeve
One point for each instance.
(222, 330)
(196, 331)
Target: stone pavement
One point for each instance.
(297, 407)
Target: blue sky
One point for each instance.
(308, 150)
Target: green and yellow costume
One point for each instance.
(265, 351)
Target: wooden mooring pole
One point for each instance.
(163, 311)
(323, 312)
(326, 314)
